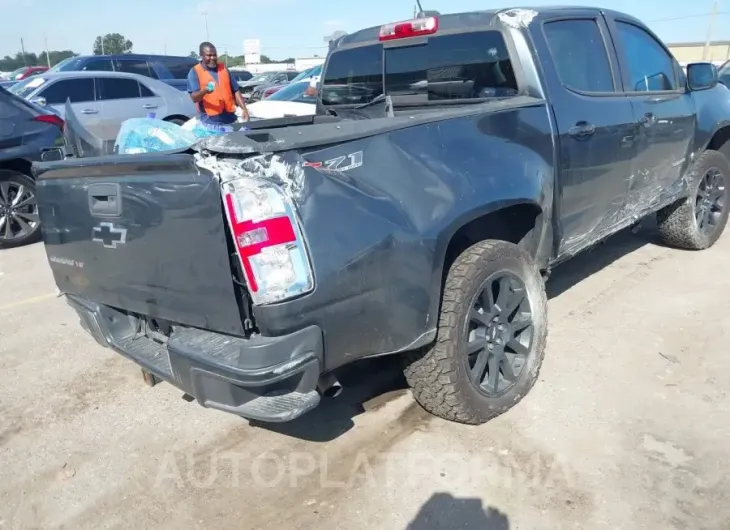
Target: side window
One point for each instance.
(98, 65)
(145, 92)
(78, 90)
(291, 75)
(177, 68)
(117, 88)
(651, 68)
(135, 66)
(579, 54)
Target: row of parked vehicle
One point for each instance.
(104, 91)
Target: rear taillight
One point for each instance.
(270, 91)
(268, 240)
(50, 118)
(409, 28)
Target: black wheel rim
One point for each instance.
(18, 211)
(710, 202)
(499, 334)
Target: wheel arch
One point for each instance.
(176, 117)
(519, 221)
(720, 140)
(20, 165)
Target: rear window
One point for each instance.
(449, 67)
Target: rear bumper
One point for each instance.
(271, 379)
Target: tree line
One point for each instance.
(109, 44)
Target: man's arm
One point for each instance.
(196, 93)
(238, 96)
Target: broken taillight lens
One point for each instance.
(268, 240)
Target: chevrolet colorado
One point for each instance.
(419, 215)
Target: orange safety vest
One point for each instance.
(221, 99)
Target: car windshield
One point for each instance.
(16, 73)
(26, 87)
(67, 65)
(293, 92)
(263, 77)
(449, 67)
(306, 74)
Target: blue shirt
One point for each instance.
(194, 86)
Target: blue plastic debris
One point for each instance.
(149, 135)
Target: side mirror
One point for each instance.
(701, 76)
(41, 102)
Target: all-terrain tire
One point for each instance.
(438, 374)
(27, 182)
(677, 223)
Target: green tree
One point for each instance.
(10, 63)
(194, 54)
(112, 44)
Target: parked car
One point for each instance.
(425, 228)
(266, 79)
(22, 73)
(104, 100)
(26, 133)
(241, 76)
(265, 91)
(170, 69)
(289, 101)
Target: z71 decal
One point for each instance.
(341, 163)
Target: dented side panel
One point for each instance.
(378, 214)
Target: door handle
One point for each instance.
(582, 129)
(149, 106)
(105, 199)
(89, 111)
(648, 119)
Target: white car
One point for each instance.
(289, 101)
(104, 100)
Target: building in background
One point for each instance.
(692, 52)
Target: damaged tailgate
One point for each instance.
(145, 234)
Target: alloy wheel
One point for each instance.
(710, 201)
(499, 334)
(18, 211)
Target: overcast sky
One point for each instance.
(285, 27)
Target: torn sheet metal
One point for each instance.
(284, 170)
(517, 18)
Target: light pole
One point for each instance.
(710, 26)
(205, 16)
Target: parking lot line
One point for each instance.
(26, 301)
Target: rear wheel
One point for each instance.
(697, 222)
(19, 221)
(491, 338)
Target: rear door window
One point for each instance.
(176, 68)
(79, 90)
(580, 55)
(448, 67)
(98, 65)
(134, 66)
(117, 88)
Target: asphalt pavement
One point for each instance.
(627, 426)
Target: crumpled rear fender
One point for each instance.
(378, 214)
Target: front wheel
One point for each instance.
(19, 221)
(491, 338)
(697, 222)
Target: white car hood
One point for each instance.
(278, 109)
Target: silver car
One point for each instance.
(103, 100)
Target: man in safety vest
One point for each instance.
(214, 90)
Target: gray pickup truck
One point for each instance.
(476, 151)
